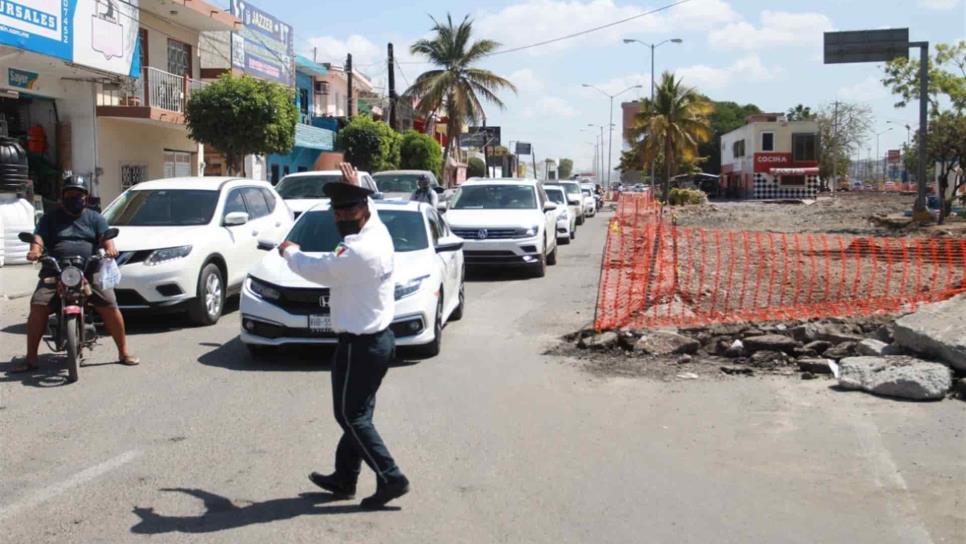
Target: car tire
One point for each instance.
(539, 270)
(580, 220)
(207, 306)
(552, 257)
(458, 311)
(433, 348)
(564, 241)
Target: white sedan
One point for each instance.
(280, 308)
(566, 214)
(303, 190)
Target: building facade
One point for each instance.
(771, 158)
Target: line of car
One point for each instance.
(186, 244)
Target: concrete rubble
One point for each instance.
(666, 343)
(896, 376)
(936, 330)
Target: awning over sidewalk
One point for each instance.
(310, 67)
(811, 171)
(311, 137)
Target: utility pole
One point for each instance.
(835, 151)
(392, 89)
(348, 73)
(486, 143)
(919, 211)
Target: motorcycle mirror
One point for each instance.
(26, 237)
(265, 245)
(110, 234)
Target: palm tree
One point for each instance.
(672, 126)
(455, 87)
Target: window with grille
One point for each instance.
(804, 147)
(132, 174)
(179, 58)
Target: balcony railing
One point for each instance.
(155, 88)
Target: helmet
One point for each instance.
(76, 183)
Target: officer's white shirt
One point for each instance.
(358, 275)
(429, 197)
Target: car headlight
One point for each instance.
(403, 290)
(71, 276)
(531, 231)
(262, 289)
(564, 214)
(159, 256)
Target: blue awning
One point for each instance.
(308, 66)
(311, 137)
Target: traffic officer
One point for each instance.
(424, 193)
(358, 273)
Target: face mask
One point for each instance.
(75, 205)
(348, 228)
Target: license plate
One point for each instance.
(320, 323)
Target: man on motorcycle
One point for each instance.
(71, 230)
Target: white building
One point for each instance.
(771, 158)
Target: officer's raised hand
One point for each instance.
(349, 173)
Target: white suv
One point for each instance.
(505, 222)
(303, 190)
(186, 243)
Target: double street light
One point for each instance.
(610, 138)
(878, 158)
(653, 46)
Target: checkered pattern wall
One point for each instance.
(768, 187)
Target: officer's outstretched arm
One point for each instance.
(341, 267)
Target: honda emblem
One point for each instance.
(324, 301)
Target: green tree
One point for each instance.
(946, 149)
(418, 151)
(727, 116)
(456, 87)
(565, 169)
(369, 145)
(842, 128)
(800, 113)
(673, 125)
(476, 168)
(947, 78)
(242, 116)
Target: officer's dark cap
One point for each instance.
(345, 195)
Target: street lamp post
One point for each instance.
(599, 166)
(610, 138)
(653, 46)
(878, 157)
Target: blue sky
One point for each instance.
(766, 53)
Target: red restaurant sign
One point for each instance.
(764, 162)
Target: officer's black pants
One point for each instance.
(358, 368)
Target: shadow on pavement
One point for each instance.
(16, 328)
(222, 514)
(50, 374)
(235, 356)
(493, 274)
(148, 322)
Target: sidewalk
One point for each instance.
(17, 281)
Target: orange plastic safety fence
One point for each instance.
(654, 274)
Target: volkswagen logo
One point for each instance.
(482, 234)
(324, 301)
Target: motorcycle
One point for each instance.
(71, 328)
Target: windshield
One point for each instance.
(315, 231)
(162, 208)
(397, 183)
(571, 188)
(295, 187)
(495, 197)
(556, 196)
(586, 192)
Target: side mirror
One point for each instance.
(110, 234)
(442, 207)
(574, 201)
(439, 190)
(378, 196)
(450, 243)
(26, 237)
(549, 206)
(266, 245)
(235, 219)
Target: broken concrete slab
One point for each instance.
(896, 376)
(604, 340)
(840, 351)
(666, 343)
(936, 330)
(835, 333)
(768, 359)
(871, 346)
(771, 342)
(815, 365)
(818, 346)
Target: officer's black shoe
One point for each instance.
(334, 484)
(386, 492)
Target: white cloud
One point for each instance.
(364, 52)
(550, 106)
(778, 28)
(526, 81)
(745, 69)
(870, 88)
(939, 5)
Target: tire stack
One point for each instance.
(16, 214)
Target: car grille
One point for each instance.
(490, 234)
(492, 257)
(312, 301)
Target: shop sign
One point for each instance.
(764, 162)
(22, 79)
(264, 47)
(101, 34)
(895, 156)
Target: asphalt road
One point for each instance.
(501, 443)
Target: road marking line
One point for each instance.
(888, 478)
(78, 479)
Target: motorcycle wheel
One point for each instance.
(71, 327)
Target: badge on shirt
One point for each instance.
(340, 249)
